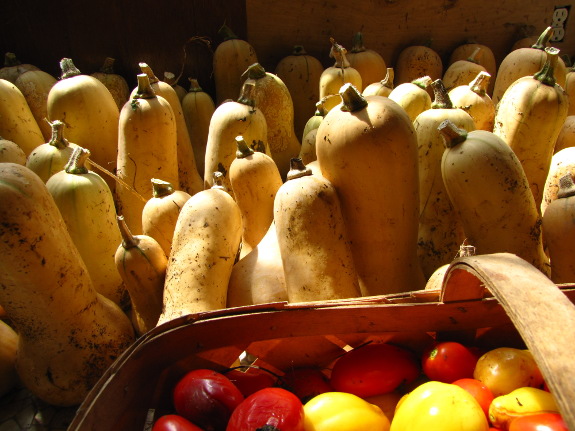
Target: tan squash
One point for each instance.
(172, 79)
(161, 211)
(206, 242)
(490, 192)
(231, 58)
(229, 120)
(301, 73)
(255, 180)
(485, 57)
(562, 162)
(198, 108)
(474, 99)
(35, 86)
(529, 118)
(10, 152)
(566, 137)
(258, 278)
(462, 72)
(51, 157)
(334, 77)
(87, 207)
(435, 281)
(375, 174)
(13, 67)
(90, 113)
(415, 61)
(189, 178)
(413, 96)
(570, 89)
(68, 333)
(114, 82)
(8, 351)
(147, 148)
(526, 62)
(368, 62)
(142, 265)
(440, 228)
(273, 98)
(381, 88)
(17, 123)
(312, 237)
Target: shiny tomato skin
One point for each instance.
(275, 407)
(374, 369)
(251, 380)
(207, 398)
(174, 423)
(306, 382)
(448, 361)
(539, 422)
(480, 392)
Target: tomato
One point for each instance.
(206, 398)
(174, 423)
(539, 422)
(251, 380)
(374, 369)
(479, 391)
(448, 361)
(272, 408)
(306, 382)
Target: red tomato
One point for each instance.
(251, 380)
(449, 361)
(206, 398)
(174, 423)
(275, 407)
(538, 422)
(374, 369)
(480, 392)
(306, 382)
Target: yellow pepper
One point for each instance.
(439, 406)
(340, 411)
(520, 402)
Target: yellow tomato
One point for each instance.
(520, 402)
(340, 411)
(439, 406)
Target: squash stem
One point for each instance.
(452, 135)
(243, 148)
(10, 59)
(128, 240)
(543, 39)
(144, 90)
(194, 86)
(57, 140)
(338, 52)
(218, 181)
(423, 82)
(77, 163)
(226, 33)
(480, 83)
(472, 57)
(358, 45)
(441, 97)
(352, 99)
(389, 77)
(247, 94)
(170, 78)
(69, 70)
(566, 186)
(297, 169)
(255, 71)
(547, 73)
(299, 50)
(108, 66)
(145, 68)
(161, 188)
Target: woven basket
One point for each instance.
(479, 294)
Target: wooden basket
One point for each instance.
(478, 293)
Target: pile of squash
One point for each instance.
(123, 209)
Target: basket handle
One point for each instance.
(542, 314)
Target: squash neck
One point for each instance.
(128, 240)
(57, 140)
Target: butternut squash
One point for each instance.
(255, 180)
(490, 192)
(161, 211)
(35, 86)
(17, 123)
(333, 77)
(51, 157)
(8, 352)
(381, 88)
(485, 57)
(231, 58)
(413, 96)
(415, 61)
(301, 73)
(570, 89)
(307, 153)
(312, 237)
(566, 137)
(474, 99)
(461, 72)
(258, 278)
(10, 152)
(206, 242)
(189, 179)
(440, 228)
(68, 333)
(368, 62)
(147, 148)
(90, 113)
(526, 62)
(114, 82)
(562, 162)
(198, 108)
(13, 67)
(529, 118)
(375, 173)
(142, 265)
(231, 119)
(273, 98)
(87, 207)
(171, 79)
